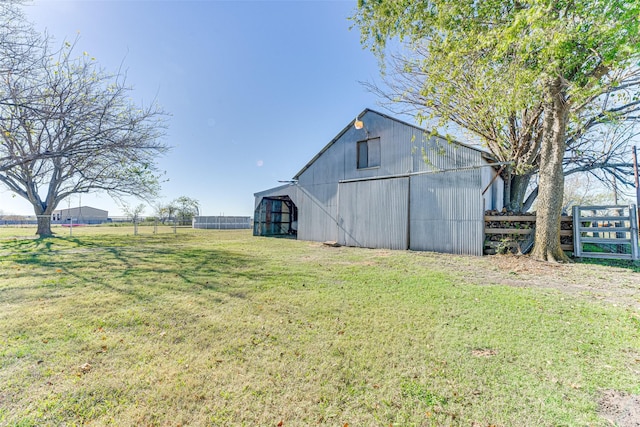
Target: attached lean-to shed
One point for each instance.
(389, 185)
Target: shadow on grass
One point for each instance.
(143, 268)
(620, 263)
(29, 245)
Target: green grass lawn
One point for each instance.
(220, 328)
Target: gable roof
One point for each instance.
(368, 110)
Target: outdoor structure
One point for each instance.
(384, 183)
(222, 222)
(79, 215)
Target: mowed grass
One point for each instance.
(219, 328)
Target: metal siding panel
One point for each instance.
(222, 222)
(317, 213)
(374, 214)
(441, 154)
(493, 197)
(446, 212)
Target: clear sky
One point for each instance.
(255, 88)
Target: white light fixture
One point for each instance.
(358, 124)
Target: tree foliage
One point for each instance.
(559, 55)
(598, 138)
(186, 209)
(181, 209)
(67, 126)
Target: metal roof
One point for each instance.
(271, 190)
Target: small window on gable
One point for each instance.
(368, 152)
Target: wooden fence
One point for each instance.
(515, 233)
(592, 231)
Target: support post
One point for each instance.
(577, 246)
(633, 225)
(635, 173)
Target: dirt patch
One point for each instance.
(614, 285)
(621, 409)
(483, 352)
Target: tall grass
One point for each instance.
(219, 328)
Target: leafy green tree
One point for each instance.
(67, 126)
(186, 208)
(134, 212)
(598, 141)
(559, 54)
(164, 211)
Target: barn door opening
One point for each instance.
(374, 213)
(276, 216)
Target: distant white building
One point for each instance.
(80, 215)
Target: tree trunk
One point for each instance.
(506, 196)
(518, 189)
(551, 188)
(44, 226)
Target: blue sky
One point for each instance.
(255, 88)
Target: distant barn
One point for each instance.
(222, 222)
(389, 185)
(80, 215)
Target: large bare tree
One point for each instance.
(67, 126)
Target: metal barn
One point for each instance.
(222, 222)
(388, 185)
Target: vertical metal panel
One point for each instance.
(222, 222)
(374, 214)
(447, 213)
(493, 196)
(317, 213)
(435, 153)
(328, 167)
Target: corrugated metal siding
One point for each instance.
(441, 154)
(328, 168)
(222, 222)
(317, 213)
(493, 197)
(374, 214)
(447, 212)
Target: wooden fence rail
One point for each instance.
(592, 231)
(509, 232)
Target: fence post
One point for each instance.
(577, 247)
(633, 230)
